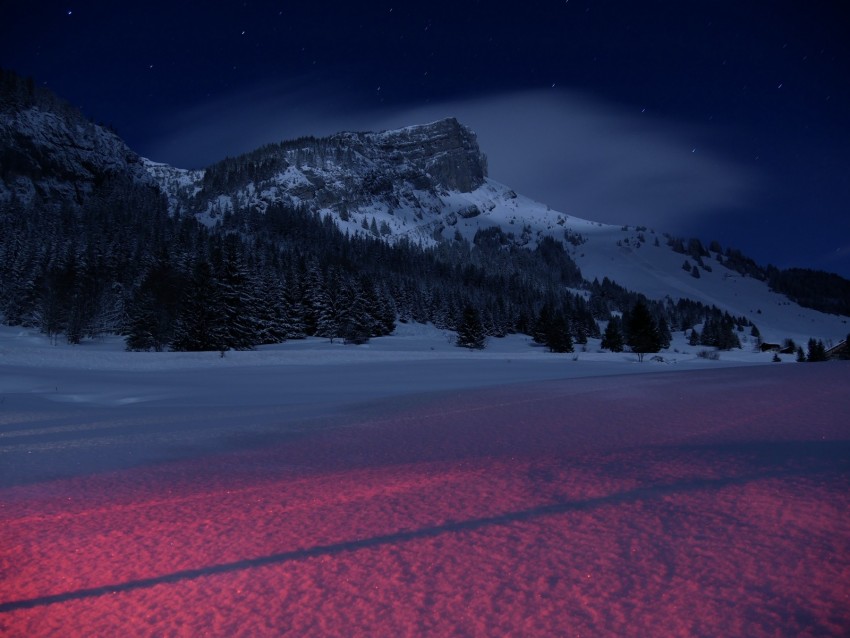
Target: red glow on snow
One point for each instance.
(584, 519)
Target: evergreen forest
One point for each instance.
(120, 264)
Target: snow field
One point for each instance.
(428, 492)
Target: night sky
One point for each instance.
(723, 120)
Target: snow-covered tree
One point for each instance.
(613, 338)
(470, 331)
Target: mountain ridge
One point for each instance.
(424, 185)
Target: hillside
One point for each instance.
(337, 237)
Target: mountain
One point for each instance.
(400, 175)
(428, 184)
(50, 153)
(312, 217)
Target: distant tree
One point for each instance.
(558, 337)
(694, 339)
(200, 325)
(470, 332)
(142, 324)
(642, 331)
(613, 338)
(543, 324)
(273, 314)
(664, 334)
(817, 351)
(329, 304)
(720, 332)
(356, 324)
(238, 298)
(801, 356)
(153, 307)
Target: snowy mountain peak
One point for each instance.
(402, 177)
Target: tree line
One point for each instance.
(121, 264)
(816, 289)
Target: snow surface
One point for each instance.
(408, 487)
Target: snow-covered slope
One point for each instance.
(178, 184)
(641, 259)
(426, 184)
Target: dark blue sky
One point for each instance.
(725, 120)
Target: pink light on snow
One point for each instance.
(588, 510)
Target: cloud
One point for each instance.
(595, 160)
(580, 155)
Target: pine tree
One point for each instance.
(355, 324)
(237, 299)
(152, 308)
(329, 304)
(817, 351)
(694, 338)
(558, 337)
(470, 332)
(200, 325)
(543, 324)
(664, 334)
(642, 331)
(273, 313)
(142, 324)
(613, 338)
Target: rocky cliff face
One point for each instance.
(347, 170)
(59, 157)
(406, 180)
(445, 151)
(52, 155)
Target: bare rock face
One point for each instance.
(59, 158)
(446, 151)
(408, 168)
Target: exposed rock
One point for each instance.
(445, 150)
(469, 212)
(60, 158)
